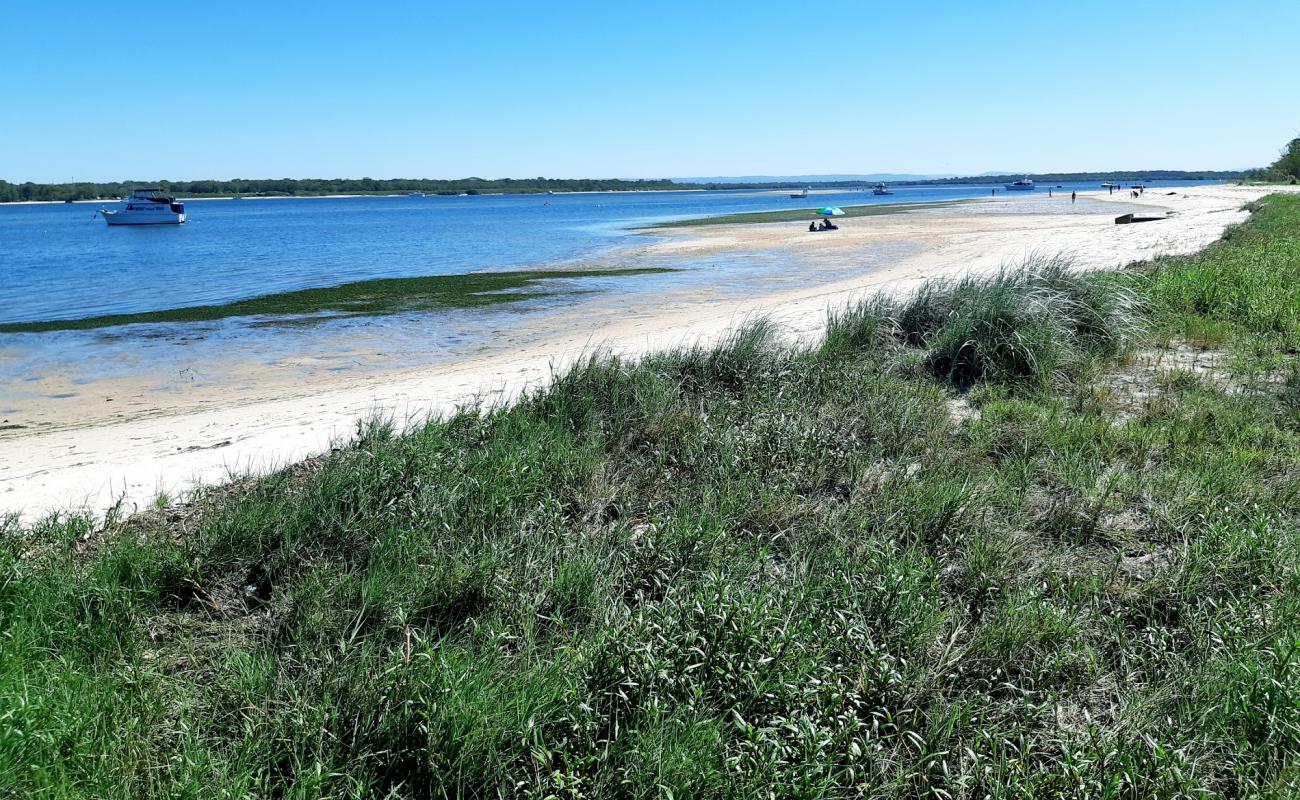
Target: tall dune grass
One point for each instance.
(1038, 321)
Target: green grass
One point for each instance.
(750, 570)
(807, 214)
(362, 298)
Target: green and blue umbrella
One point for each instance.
(831, 211)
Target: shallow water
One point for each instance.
(59, 261)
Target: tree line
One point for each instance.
(1122, 176)
(1285, 170)
(313, 187)
(308, 187)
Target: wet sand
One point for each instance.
(130, 437)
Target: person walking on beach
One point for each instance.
(1049, 191)
(994, 191)
(1072, 196)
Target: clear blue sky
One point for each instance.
(206, 89)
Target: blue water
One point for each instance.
(59, 261)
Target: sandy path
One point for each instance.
(170, 446)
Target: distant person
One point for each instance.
(994, 191)
(1073, 195)
(812, 226)
(1049, 191)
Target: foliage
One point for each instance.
(1285, 170)
(308, 187)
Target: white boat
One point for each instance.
(881, 188)
(1022, 185)
(800, 195)
(146, 207)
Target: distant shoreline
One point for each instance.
(27, 193)
(348, 196)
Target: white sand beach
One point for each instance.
(87, 454)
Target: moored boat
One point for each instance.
(146, 207)
(799, 195)
(881, 188)
(1022, 185)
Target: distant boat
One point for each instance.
(799, 195)
(1022, 185)
(147, 207)
(416, 194)
(881, 188)
(1108, 185)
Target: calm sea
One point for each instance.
(59, 261)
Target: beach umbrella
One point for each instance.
(830, 211)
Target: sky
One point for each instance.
(233, 89)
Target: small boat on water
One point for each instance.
(881, 188)
(416, 194)
(147, 207)
(1022, 185)
(799, 195)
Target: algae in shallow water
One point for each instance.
(362, 298)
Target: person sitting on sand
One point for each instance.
(812, 226)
